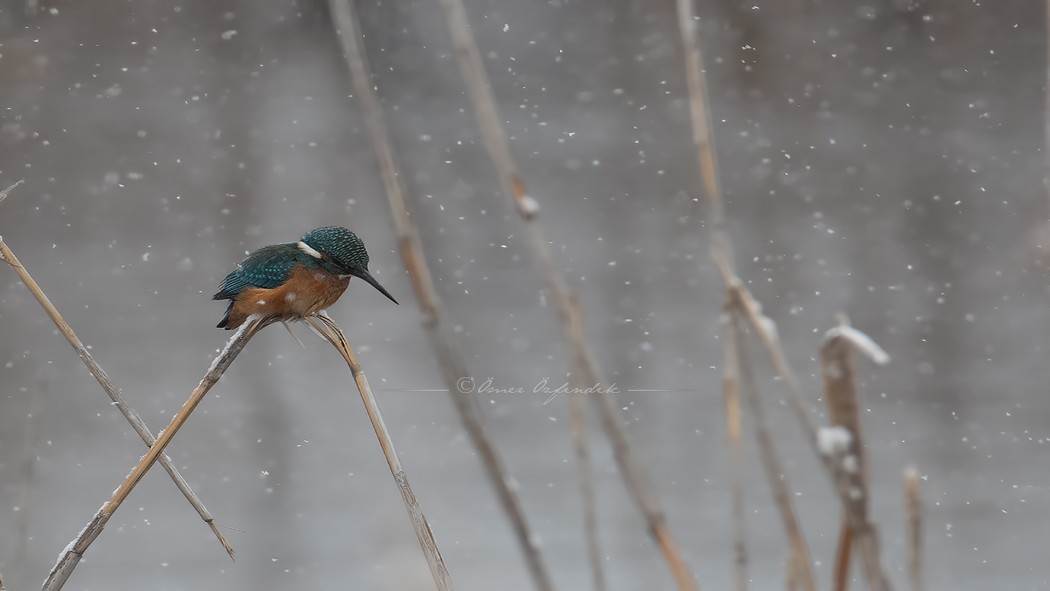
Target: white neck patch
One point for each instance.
(307, 249)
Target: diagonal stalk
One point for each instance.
(563, 299)
(453, 368)
(913, 502)
(70, 557)
(742, 302)
(327, 328)
(801, 566)
(96, 370)
(731, 393)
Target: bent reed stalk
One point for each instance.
(327, 328)
(71, 555)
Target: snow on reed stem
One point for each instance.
(328, 328)
(4, 193)
(453, 368)
(800, 568)
(563, 299)
(840, 392)
(843, 411)
(731, 395)
(745, 304)
(913, 504)
(741, 297)
(71, 555)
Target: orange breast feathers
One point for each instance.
(307, 291)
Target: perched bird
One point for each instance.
(296, 279)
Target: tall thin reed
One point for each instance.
(563, 299)
(700, 116)
(800, 568)
(327, 327)
(703, 140)
(453, 368)
(589, 499)
(103, 380)
(731, 393)
(4, 193)
(913, 504)
(765, 328)
(843, 411)
(840, 392)
(71, 555)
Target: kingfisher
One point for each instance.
(295, 279)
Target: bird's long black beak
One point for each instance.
(364, 274)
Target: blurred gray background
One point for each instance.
(882, 159)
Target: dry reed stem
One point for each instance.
(453, 368)
(731, 394)
(722, 252)
(843, 553)
(801, 566)
(103, 380)
(700, 118)
(843, 411)
(589, 499)
(700, 115)
(563, 299)
(840, 392)
(70, 557)
(746, 305)
(913, 502)
(328, 328)
(7, 191)
(744, 302)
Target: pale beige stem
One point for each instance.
(840, 391)
(70, 557)
(103, 380)
(700, 116)
(840, 395)
(331, 331)
(4, 193)
(564, 301)
(913, 502)
(801, 566)
(114, 394)
(731, 394)
(842, 479)
(453, 368)
(587, 494)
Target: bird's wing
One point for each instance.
(267, 268)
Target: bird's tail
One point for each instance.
(224, 323)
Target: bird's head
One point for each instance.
(341, 252)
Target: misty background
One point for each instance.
(881, 159)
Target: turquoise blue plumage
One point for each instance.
(334, 252)
(267, 268)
